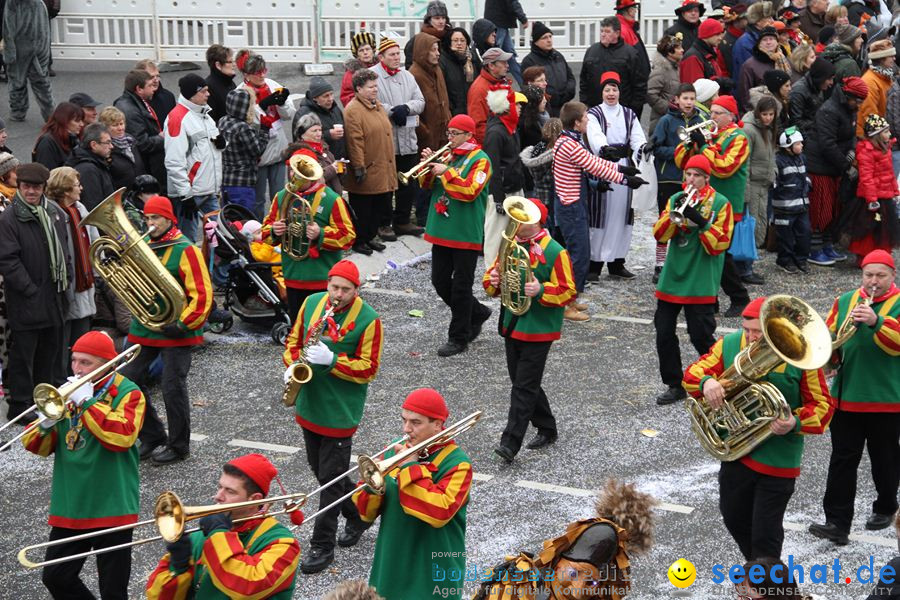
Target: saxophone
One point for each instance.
(301, 372)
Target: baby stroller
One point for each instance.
(250, 291)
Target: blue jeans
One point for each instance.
(245, 196)
(572, 220)
(505, 43)
(189, 223)
(270, 177)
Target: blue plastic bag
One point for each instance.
(743, 242)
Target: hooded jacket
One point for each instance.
(453, 66)
(624, 60)
(193, 164)
(328, 117)
(762, 153)
(687, 30)
(806, 99)
(503, 150)
(96, 181)
(219, 85)
(394, 90)
(432, 129)
(246, 140)
(481, 29)
(833, 136)
(661, 88)
(408, 50)
(560, 80)
(845, 65)
(538, 159)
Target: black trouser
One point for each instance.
(176, 365)
(295, 298)
(752, 506)
(793, 238)
(701, 326)
(404, 196)
(452, 275)
(113, 568)
(72, 330)
(732, 284)
(850, 432)
(328, 457)
(33, 359)
(525, 362)
(366, 214)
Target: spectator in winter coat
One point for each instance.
(560, 80)
(125, 162)
(688, 21)
(801, 59)
(790, 203)
(246, 139)
(504, 14)
(844, 51)
(494, 68)
(611, 53)
(220, 79)
(812, 18)
(308, 140)
(437, 24)
(362, 50)
(432, 129)
(501, 144)
(91, 160)
(664, 81)
(26, 52)
(766, 56)
(759, 16)
(87, 104)
(143, 124)
(735, 22)
(704, 60)
(461, 65)
(320, 101)
(484, 36)
(808, 94)
(163, 101)
(626, 13)
(59, 136)
(760, 127)
(538, 160)
(878, 78)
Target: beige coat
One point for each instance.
(370, 145)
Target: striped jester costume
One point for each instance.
(728, 155)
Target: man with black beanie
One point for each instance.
(560, 80)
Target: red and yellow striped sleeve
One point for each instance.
(490, 290)
(664, 229)
(363, 365)
(117, 429)
(726, 162)
(40, 441)
(340, 234)
(426, 180)
(708, 365)
(887, 337)
(434, 502)
(468, 188)
(271, 218)
(817, 405)
(831, 320)
(197, 287)
(559, 290)
(717, 237)
(293, 345)
(165, 584)
(250, 576)
(683, 153)
(369, 505)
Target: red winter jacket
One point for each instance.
(876, 173)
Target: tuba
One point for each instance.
(514, 263)
(296, 211)
(793, 333)
(131, 269)
(301, 372)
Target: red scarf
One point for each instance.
(628, 34)
(864, 293)
(271, 114)
(511, 119)
(81, 242)
(315, 146)
(391, 72)
(735, 31)
(535, 251)
(467, 146)
(168, 236)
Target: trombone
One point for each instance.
(441, 155)
(708, 128)
(50, 401)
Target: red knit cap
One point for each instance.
(161, 206)
(258, 468)
(855, 86)
(542, 208)
(751, 311)
(728, 103)
(709, 28)
(96, 343)
(463, 123)
(428, 402)
(875, 257)
(608, 76)
(347, 270)
(698, 161)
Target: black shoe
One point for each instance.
(477, 325)
(317, 560)
(735, 309)
(671, 396)
(409, 229)
(803, 266)
(387, 234)
(753, 279)
(147, 450)
(167, 456)
(362, 249)
(876, 521)
(621, 273)
(541, 440)
(353, 530)
(829, 531)
(376, 245)
(789, 268)
(505, 453)
(451, 348)
(656, 273)
(592, 276)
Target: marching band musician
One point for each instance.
(867, 390)
(185, 262)
(253, 559)
(330, 406)
(528, 337)
(95, 472)
(330, 233)
(455, 227)
(754, 490)
(423, 510)
(691, 272)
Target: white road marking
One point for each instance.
(264, 446)
(677, 508)
(198, 437)
(482, 477)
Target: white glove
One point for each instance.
(82, 394)
(320, 354)
(46, 423)
(287, 374)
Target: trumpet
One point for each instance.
(50, 401)
(848, 328)
(691, 198)
(441, 155)
(708, 128)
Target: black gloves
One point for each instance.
(171, 330)
(219, 142)
(634, 182)
(180, 553)
(694, 215)
(399, 114)
(215, 522)
(697, 137)
(360, 174)
(615, 152)
(268, 101)
(499, 207)
(647, 149)
(626, 170)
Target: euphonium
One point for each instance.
(301, 372)
(793, 333)
(708, 128)
(514, 260)
(441, 155)
(296, 211)
(691, 198)
(131, 269)
(849, 327)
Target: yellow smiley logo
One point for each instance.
(682, 573)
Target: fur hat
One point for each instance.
(363, 38)
(759, 11)
(766, 32)
(874, 125)
(435, 8)
(304, 123)
(631, 510)
(881, 49)
(498, 101)
(8, 162)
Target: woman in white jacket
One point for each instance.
(274, 111)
